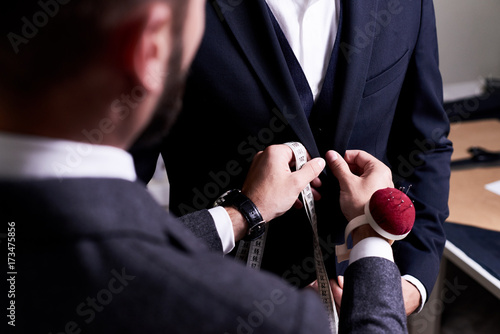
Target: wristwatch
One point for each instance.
(256, 224)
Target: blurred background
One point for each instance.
(466, 298)
(469, 44)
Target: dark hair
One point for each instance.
(46, 41)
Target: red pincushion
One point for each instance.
(392, 210)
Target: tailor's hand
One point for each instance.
(272, 185)
(360, 175)
(337, 290)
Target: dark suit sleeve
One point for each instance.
(372, 301)
(419, 153)
(203, 227)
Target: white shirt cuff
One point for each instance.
(371, 247)
(224, 227)
(420, 287)
(378, 247)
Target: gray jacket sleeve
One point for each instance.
(203, 227)
(372, 301)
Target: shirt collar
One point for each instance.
(32, 157)
(300, 5)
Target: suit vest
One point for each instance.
(323, 110)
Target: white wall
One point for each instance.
(469, 39)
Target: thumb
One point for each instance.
(307, 173)
(339, 168)
(311, 170)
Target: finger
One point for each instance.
(257, 157)
(355, 169)
(314, 286)
(339, 168)
(309, 171)
(298, 204)
(340, 279)
(316, 183)
(337, 293)
(316, 194)
(362, 161)
(367, 165)
(277, 154)
(286, 152)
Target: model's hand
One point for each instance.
(411, 296)
(272, 185)
(360, 175)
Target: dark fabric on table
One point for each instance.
(483, 246)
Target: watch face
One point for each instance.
(226, 197)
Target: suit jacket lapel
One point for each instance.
(352, 66)
(250, 24)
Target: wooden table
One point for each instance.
(470, 203)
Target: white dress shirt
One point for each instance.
(310, 26)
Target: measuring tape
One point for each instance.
(253, 251)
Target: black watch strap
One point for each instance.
(256, 224)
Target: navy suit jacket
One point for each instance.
(387, 100)
(101, 256)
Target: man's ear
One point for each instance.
(150, 45)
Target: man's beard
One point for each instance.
(169, 105)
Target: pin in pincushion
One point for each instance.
(390, 213)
